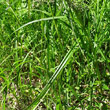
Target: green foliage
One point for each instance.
(54, 54)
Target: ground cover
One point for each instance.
(55, 54)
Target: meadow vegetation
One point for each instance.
(55, 54)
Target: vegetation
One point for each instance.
(54, 54)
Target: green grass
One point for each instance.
(54, 55)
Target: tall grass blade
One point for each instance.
(29, 8)
(43, 19)
(51, 80)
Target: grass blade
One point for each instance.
(35, 21)
(52, 79)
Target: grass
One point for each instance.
(54, 55)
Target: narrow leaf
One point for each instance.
(52, 79)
